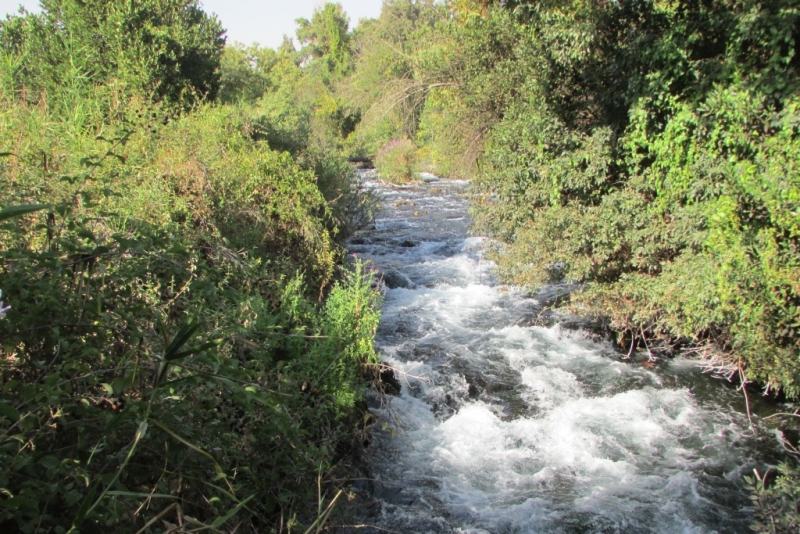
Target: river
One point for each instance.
(506, 425)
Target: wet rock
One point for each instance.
(407, 244)
(395, 279)
(401, 329)
(597, 328)
(473, 391)
(554, 295)
(389, 382)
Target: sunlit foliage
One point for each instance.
(185, 341)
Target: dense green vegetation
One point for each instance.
(186, 342)
(186, 339)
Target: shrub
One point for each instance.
(169, 50)
(397, 161)
(179, 342)
(777, 502)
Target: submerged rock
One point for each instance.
(389, 382)
(428, 177)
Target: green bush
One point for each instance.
(776, 503)
(166, 50)
(181, 340)
(397, 161)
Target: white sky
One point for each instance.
(248, 21)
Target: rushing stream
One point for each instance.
(505, 426)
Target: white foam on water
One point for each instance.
(456, 270)
(503, 428)
(549, 387)
(610, 460)
(472, 244)
(390, 224)
(589, 453)
(444, 304)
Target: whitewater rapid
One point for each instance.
(505, 425)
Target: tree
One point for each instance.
(167, 49)
(326, 38)
(396, 63)
(245, 72)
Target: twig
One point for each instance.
(650, 356)
(795, 414)
(317, 525)
(743, 387)
(633, 344)
(162, 513)
(147, 501)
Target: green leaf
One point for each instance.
(184, 334)
(140, 432)
(218, 522)
(140, 495)
(87, 503)
(217, 467)
(10, 212)
(8, 411)
(195, 350)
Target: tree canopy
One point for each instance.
(167, 49)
